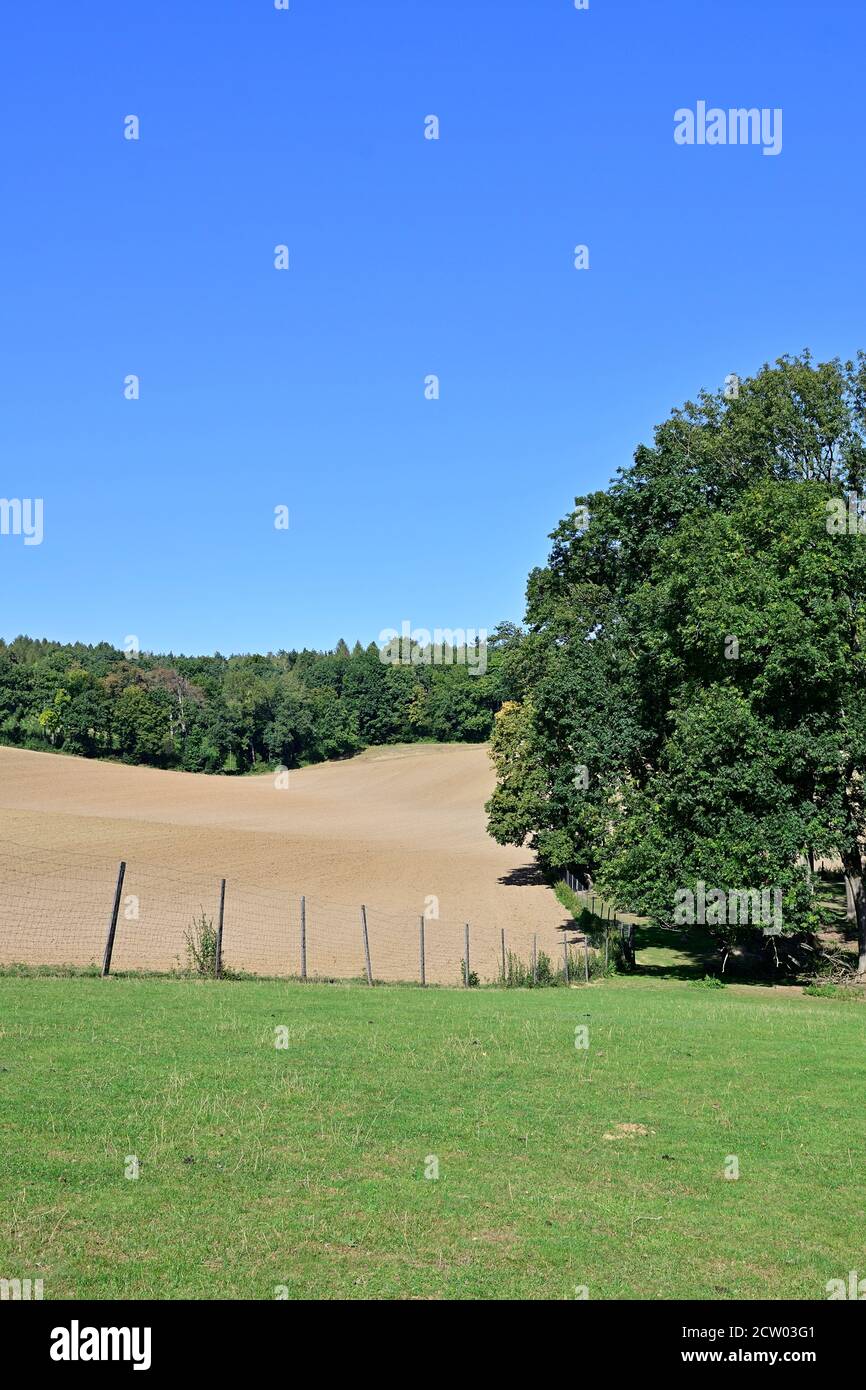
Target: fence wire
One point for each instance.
(56, 906)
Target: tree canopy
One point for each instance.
(691, 703)
(228, 714)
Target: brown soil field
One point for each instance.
(401, 830)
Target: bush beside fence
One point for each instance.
(596, 915)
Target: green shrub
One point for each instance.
(546, 975)
(201, 945)
(519, 975)
(828, 991)
(708, 982)
(473, 982)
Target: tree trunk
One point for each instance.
(850, 913)
(853, 863)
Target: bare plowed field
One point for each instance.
(401, 830)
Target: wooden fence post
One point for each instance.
(218, 962)
(503, 956)
(565, 958)
(303, 938)
(421, 949)
(112, 923)
(535, 958)
(586, 959)
(607, 942)
(366, 945)
(466, 959)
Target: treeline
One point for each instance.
(690, 718)
(230, 714)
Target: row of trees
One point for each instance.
(690, 701)
(227, 714)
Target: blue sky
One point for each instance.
(408, 257)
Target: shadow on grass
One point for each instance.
(692, 953)
(832, 903)
(667, 953)
(680, 955)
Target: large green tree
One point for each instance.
(692, 666)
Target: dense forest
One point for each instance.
(691, 687)
(234, 714)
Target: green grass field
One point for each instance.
(304, 1167)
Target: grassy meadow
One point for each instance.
(299, 1171)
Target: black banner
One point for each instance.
(85, 1339)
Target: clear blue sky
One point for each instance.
(408, 257)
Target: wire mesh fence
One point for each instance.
(596, 906)
(58, 908)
